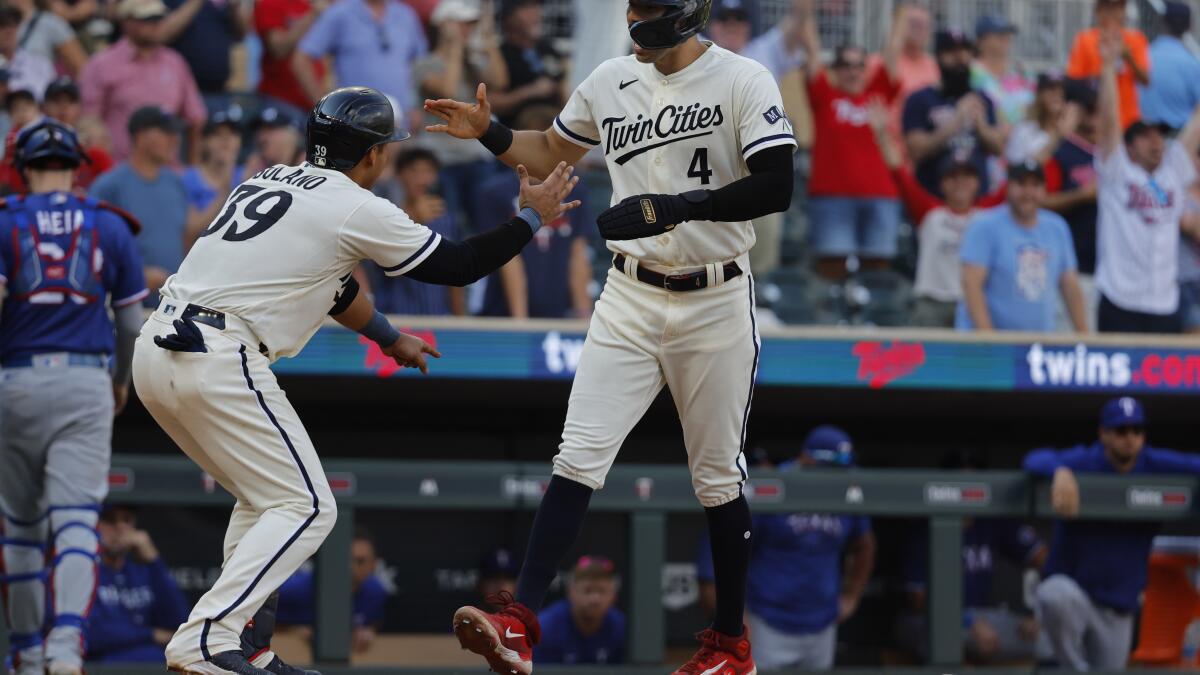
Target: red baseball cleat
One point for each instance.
(505, 639)
(720, 654)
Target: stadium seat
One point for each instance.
(888, 300)
(1171, 603)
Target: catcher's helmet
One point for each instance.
(346, 124)
(48, 142)
(682, 20)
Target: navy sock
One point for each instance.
(555, 528)
(729, 532)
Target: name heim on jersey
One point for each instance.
(670, 126)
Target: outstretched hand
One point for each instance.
(409, 352)
(462, 120)
(547, 197)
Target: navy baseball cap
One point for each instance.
(950, 40)
(1030, 168)
(62, 86)
(828, 445)
(954, 163)
(1142, 127)
(230, 117)
(152, 117)
(1125, 411)
(271, 117)
(498, 563)
(1177, 16)
(992, 25)
(726, 10)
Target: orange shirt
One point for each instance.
(1085, 62)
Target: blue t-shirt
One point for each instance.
(401, 295)
(66, 325)
(795, 572)
(1109, 560)
(1076, 159)
(206, 42)
(1024, 266)
(928, 109)
(563, 643)
(297, 601)
(161, 205)
(547, 258)
(130, 603)
(983, 540)
(1174, 89)
(200, 193)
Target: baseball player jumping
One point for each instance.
(255, 287)
(697, 143)
(64, 261)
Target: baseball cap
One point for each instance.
(271, 117)
(62, 86)
(730, 10)
(498, 563)
(1051, 80)
(9, 15)
(507, 7)
(141, 10)
(828, 445)
(152, 117)
(1177, 16)
(991, 25)
(456, 10)
(1140, 127)
(948, 40)
(593, 567)
(1125, 411)
(230, 117)
(1028, 169)
(954, 162)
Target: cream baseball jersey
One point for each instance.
(666, 134)
(285, 244)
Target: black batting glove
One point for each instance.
(186, 338)
(650, 215)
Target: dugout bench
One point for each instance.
(646, 495)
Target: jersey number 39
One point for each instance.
(253, 210)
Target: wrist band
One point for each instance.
(532, 217)
(497, 139)
(380, 331)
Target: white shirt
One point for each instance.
(666, 134)
(285, 244)
(1137, 251)
(1026, 142)
(939, 269)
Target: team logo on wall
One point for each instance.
(879, 365)
(1172, 498)
(955, 494)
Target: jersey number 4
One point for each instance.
(699, 168)
(252, 210)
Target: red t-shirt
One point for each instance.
(846, 160)
(278, 80)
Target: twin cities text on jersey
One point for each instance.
(674, 123)
(295, 176)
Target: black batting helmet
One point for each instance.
(682, 20)
(346, 124)
(49, 143)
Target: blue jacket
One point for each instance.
(130, 603)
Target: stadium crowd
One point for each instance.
(973, 200)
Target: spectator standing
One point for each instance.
(373, 43)
(1189, 263)
(808, 571)
(145, 186)
(1143, 182)
(951, 119)
(916, 68)
(536, 69)
(854, 208)
(281, 24)
(781, 48)
(138, 604)
(210, 182)
(1097, 570)
(276, 140)
(417, 174)
(1013, 256)
(27, 70)
(586, 627)
(1036, 136)
(45, 34)
(204, 32)
(63, 102)
(730, 25)
(138, 71)
(996, 74)
(1174, 90)
(1087, 62)
(466, 52)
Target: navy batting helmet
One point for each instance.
(682, 20)
(346, 124)
(48, 143)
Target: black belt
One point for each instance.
(692, 281)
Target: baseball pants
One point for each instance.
(775, 649)
(225, 410)
(1083, 635)
(702, 344)
(55, 449)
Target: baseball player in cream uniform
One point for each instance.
(255, 287)
(697, 144)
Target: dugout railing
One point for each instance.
(647, 495)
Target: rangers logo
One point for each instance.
(648, 211)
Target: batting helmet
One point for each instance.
(682, 20)
(48, 142)
(346, 124)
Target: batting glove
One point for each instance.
(186, 338)
(649, 215)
